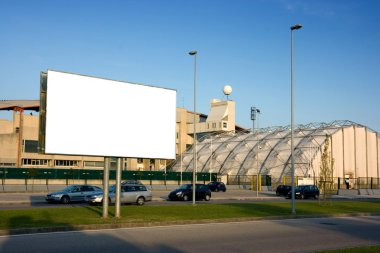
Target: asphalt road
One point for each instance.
(291, 235)
(9, 201)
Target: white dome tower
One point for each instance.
(227, 90)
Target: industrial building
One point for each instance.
(223, 147)
(19, 137)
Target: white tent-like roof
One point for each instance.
(267, 151)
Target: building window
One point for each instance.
(34, 162)
(213, 125)
(139, 160)
(224, 124)
(94, 164)
(30, 146)
(7, 165)
(66, 163)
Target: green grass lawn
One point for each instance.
(55, 217)
(369, 249)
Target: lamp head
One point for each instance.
(193, 52)
(296, 27)
(227, 89)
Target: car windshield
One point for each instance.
(185, 186)
(70, 188)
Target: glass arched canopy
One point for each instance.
(265, 151)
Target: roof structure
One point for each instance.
(265, 151)
(33, 105)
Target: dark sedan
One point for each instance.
(283, 190)
(217, 186)
(185, 192)
(305, 191)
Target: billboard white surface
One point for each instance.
(100, 117)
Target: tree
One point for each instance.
(326, 172)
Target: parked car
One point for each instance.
(283, 190)
(305, 191)
(131, 182)
(73, 193)
(129, 194)
(217, 186)
(185, 192)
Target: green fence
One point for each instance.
(266, 180)
(86, 174)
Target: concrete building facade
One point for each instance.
(19, 138)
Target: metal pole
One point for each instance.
(211, 157)
(295, 27)
(258, 172)
(105, 186)
(194, 118)
(118, 188)
(254, 111)
(180, 150)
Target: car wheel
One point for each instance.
(216, 189)
(224, 190)
(185, 198)
(302, 196)
(316, 196)
(140, 201)
(65, 200)
(207, 197)
(277, 193)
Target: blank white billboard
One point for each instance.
(99, 117)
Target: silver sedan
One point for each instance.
(73, 193)
(129, 193)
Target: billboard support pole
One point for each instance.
(118, 188)
(105, 186)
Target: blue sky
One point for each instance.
(242, 43)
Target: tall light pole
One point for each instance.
(194, 53)
(254, 112)
(295, 27)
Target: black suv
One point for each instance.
(305, 191)
(282, 190)
(185, 192)
(217, 186)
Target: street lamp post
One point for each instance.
(194, 53)
(254, 112)
(295, 27)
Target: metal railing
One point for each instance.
(337, 182)
(28, 174)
